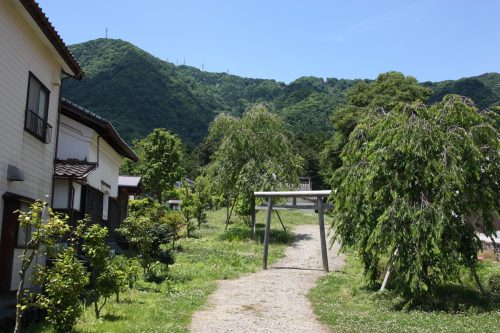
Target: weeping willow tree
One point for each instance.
(410, 181)
(254, 154)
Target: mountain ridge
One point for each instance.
(139, 92)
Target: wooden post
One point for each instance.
(324, 253)
(389, 267)
(254, 219)
(267, 231)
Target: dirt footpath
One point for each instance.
(274, 300)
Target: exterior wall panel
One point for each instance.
(24, 50)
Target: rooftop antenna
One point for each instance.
(106, 33)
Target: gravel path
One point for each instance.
(274, 300)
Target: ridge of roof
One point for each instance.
(36, 12)
(106, 128)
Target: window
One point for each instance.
(37, 106)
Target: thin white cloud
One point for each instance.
(406, 12)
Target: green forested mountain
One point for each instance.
(139, 92)
(483, 89)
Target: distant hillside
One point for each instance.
(483, 89)
(139, 92)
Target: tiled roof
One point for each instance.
(52, 35)
(73, 168)
(100, 125)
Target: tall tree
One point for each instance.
(387, 91)
(253, 154)
(411, 178)
(160, 162)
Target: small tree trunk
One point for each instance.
(230, 213)
(26, 262)
(389, 267)
(478, 282)
(228, 203)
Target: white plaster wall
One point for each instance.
(14, 283)
(109, 166)
(78, 196)
(61, 188)
(74, 139)
(79, 141)
(23, 48)
(61, 193)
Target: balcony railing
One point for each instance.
(38, 126)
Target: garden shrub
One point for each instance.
(65, 282)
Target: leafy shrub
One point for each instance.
(48, 227)
(494, 283)
(104, 280)
(130, 268)
(149, 234)
(65, 282)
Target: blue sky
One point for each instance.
(283, 40)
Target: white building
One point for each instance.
(89, 155)
(33, 61)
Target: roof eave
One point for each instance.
(49, 31)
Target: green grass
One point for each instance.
(211, 254)
(342, 301)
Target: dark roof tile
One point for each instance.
(73, 168)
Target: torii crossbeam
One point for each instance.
(319, 195)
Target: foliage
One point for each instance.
(149, 228)
(387, 91)
(146, 206)
(65, 282)
(194, 203)
(104, 280)
(207, 199)
(46, 229)
(189, 205)
(205, 259)
(483, 89)
(129, 270)
(411, 177)
(254, 154)
(138, 92)
(494, 283)
(160, 164)
(343, 302)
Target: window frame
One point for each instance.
(36, 113)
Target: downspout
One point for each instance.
(98, 139)
(71, 203)
(64, 76)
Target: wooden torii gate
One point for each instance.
(319, 195)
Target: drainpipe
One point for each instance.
(98, 139)
(64, 76)
(71, 200)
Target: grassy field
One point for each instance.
(341, 301)
(212, 254)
